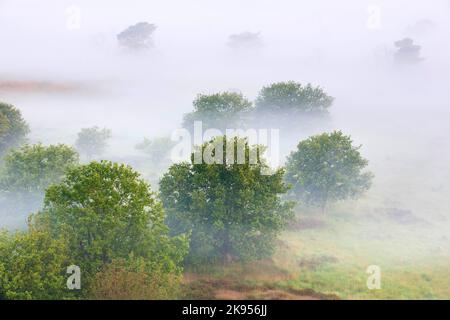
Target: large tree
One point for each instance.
(326, 168)
(108, 212)
(226, 110)
(13, 128)
(233, 209)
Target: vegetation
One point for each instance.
(27, 172)
(107, 212)
(138, 36)
(92, 142)
(226, 110)
(325, 168)
(233, 210)
(13, 128)
(289, 101)
(33, 265)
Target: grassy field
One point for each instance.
(327, 257)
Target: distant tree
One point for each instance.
(92, 142)
(107, 212)
(233, 210)
(326, 168)
(33, 265)
(28, 171)
(13, 128)
(245, 40)
(157, 149)
(289, 99)
(220, 111)
(407, 52)
(137, 36)
(32, 168)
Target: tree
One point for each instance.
(33, 265)
(107, 212)
(28, 171)
(137, 36)
(233, 210)
(407, 52)
(245, 40)
(157, 149)
(13, 128)
(220, 111)
(288, 99)
(32, 168)
(325, 168)
(92, 141)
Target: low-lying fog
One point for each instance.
(399, 113)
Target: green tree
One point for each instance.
(107, 212)
(33, 265)
(13, 128)
(221, 111)
(233, 209)
(325, 168)
(92, 142)
(287, 99)
(28, 171)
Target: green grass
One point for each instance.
(414, 259)
(330, 257)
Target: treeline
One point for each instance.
(131, 242)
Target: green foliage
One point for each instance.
(33, 265)
(32, 168)
(92, 142)
(107, 212)
(28, 171)
(13, 128)
(327, 167)
(221, 110)
(232, 210)
(291, 98)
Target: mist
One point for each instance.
(65, 75)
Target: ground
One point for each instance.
(326, 257)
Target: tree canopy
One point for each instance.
(33, 265)
(107, 212)
(292, 98)
(13, 128)
(137, 36)
(92, 142)
(26, 173)
(220, 111)
(233, 210)
(327, 167)
(32, 168)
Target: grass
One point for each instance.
(328, 258)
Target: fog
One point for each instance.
(398, 113)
